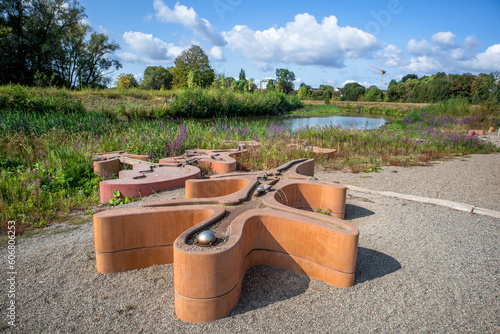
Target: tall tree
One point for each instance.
(45, 40)
(482, 86)
(285, 79)
(462, 85)
(373, 94)
(304, 91)
(270, 86)
(409, 76)
(126, 81)
(192, 66)
(352, 91)
(242, 75)
(157, 77)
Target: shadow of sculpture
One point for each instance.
(355, 212)
(372, 264)
(264, 285)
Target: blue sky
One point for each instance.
(322, 42)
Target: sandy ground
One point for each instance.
(421, 268)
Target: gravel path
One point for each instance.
(421, 268)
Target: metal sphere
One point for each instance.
(206, 238)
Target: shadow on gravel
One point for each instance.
(354, 212)
(266, 285)
(372, 264)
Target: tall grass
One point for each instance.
(45, 153)
(202, 103)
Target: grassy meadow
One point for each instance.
(49, 136)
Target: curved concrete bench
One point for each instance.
(208, 281)
(223, 163)
(109, 162)
(127, 239)
(318, 151)
(305, 197)
(302, 170)
(224, 191)
(324, 152)
(141, 182)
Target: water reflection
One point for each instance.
(344, 121)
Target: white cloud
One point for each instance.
(303, 41)
(104, 30)
(471, 43)
(364, 84)
(418, 48)
(129, 57)
(216, 53)
(444, 39)
(393, 56)
(85, 21)
(152, 48)
(190, 19)
(488, 61)
(444, 55)
(424, 65)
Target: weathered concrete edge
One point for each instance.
(442, 202)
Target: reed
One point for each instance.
(45, 154)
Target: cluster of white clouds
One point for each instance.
(305, 41)
(442, 54)
(190, 19)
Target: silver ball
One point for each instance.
(206, 238)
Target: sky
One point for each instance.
(323, 42)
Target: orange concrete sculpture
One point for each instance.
(129, 239)
(219, 161)
(302, 197)
(109, 162)
(475, 133)
(208, 282)
(212, 247)
(145, 180)
(318, 151)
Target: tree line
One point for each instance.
(46, 42)
(192, 69)
(430, 89)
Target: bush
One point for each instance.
(34, 101)
(202, 103)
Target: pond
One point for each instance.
(349, 121)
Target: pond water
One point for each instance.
(348, 121)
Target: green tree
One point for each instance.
(439, 89)
(373, 94)
(352, 91)
(44, 40)
(304, 92)
(462, 85)
(242, 75)
(326, 87)
(193, 62)
(240, 86)
(95, 62)
(126, 81)
(409, 76)
(156, 78)
(270, 86)
(285, 79)
(482, 87)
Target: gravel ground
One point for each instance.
(473, 179)
(421, 268)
